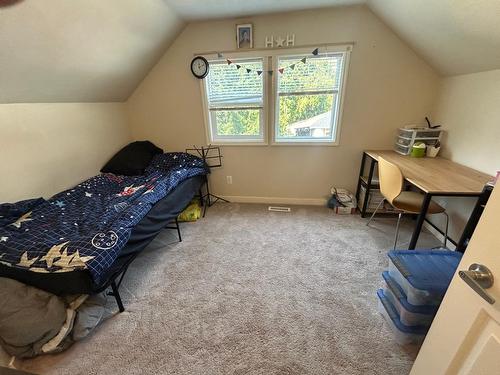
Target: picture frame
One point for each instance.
(244, 36)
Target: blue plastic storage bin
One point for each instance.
(410, 315)
(424, 275)
(403, 334)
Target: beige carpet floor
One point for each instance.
(250, 292)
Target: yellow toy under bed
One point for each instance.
(192, 212)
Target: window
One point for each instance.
(307, 98)
(235, 101)
(298, 102)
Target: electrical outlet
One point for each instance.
(229, 180)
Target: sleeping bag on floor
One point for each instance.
(34, 322)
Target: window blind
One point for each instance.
(229, 87)
(319, 74)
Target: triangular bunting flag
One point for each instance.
(315, 52)
(303, 60)
(270, 72)
(229, 62)
(259, 72)
(238, 66)
(292, 66)
(249, 70)
(281, 70)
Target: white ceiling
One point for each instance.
(99, 50)
(205, 9)
(80, 50)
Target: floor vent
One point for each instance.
(279, 209)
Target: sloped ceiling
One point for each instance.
(206, 9)
(454, 36)
(80, 50)
(99, 50)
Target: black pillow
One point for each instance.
(132, 159)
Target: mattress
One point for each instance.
(80, 281)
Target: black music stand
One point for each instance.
(212, 157)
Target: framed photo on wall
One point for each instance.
(244, 36)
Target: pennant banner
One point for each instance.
(315, 52)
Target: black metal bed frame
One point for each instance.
(116, 279)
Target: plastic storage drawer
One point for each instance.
(403, 334)
(409, 314)
(403, 150)
(419, 133)
(424, 275)
(405, 142)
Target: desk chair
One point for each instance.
(410, 202)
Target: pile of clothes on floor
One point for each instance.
(34, 322)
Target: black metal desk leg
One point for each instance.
(368, 185)
(470, 227)
(361, 171)
(420, 221)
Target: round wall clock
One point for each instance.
(199, 67)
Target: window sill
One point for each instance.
(328, 144)
(287, 144)
(218, 143)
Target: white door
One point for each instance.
(465, 335)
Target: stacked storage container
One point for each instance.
(406, 138)
(415, 284)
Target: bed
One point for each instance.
(82, 240)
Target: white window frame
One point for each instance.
(270, 102)
(336, 110)
(212, 138)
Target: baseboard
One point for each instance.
(275, 200)
(438, 235)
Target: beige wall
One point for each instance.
(45, 148)
(388, 86)
(468, 107)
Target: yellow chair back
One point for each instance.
(390, 179)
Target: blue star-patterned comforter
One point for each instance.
(87, 226)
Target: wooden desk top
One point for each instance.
(436, 175)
